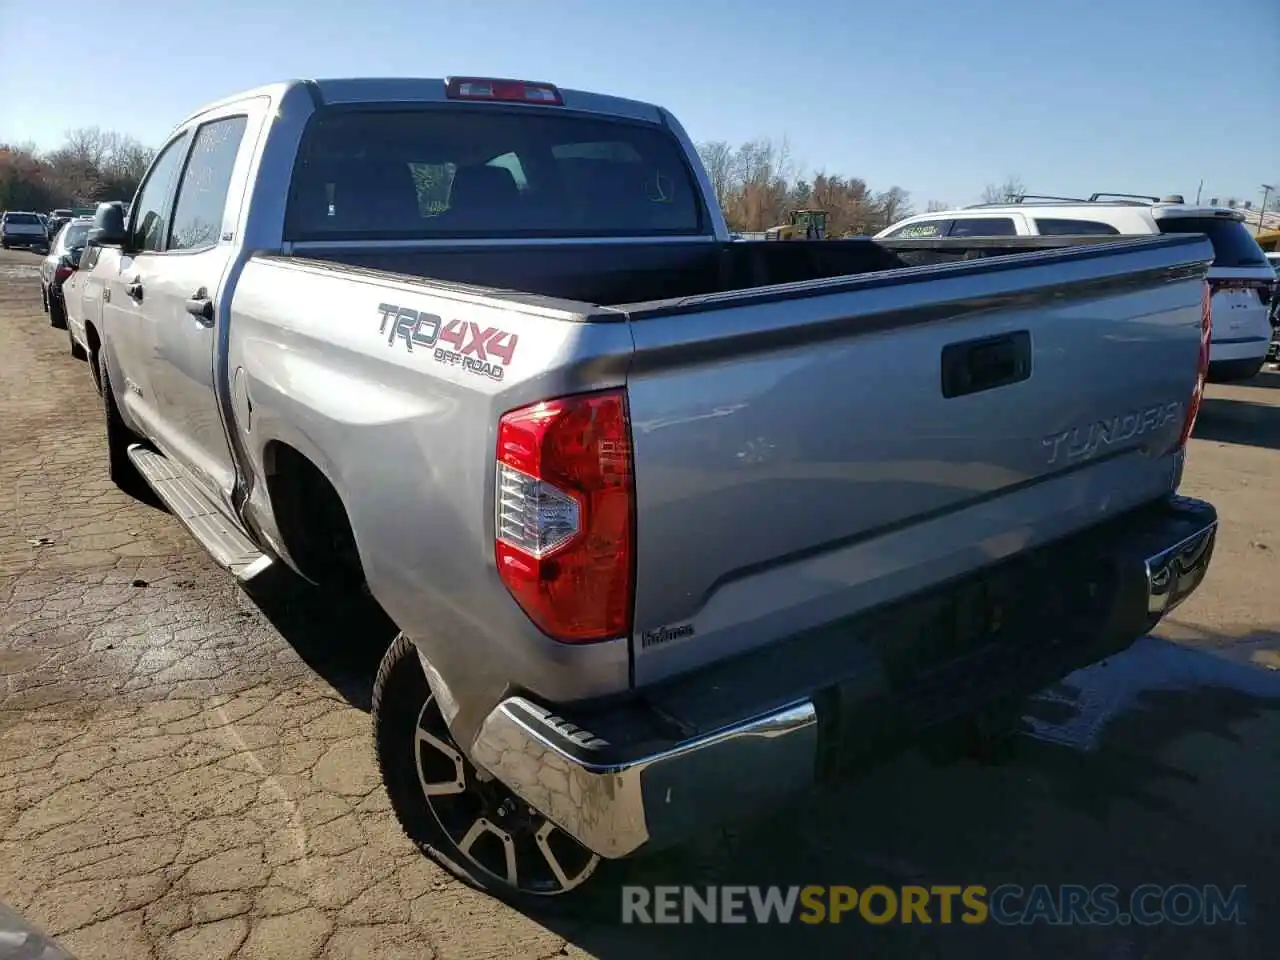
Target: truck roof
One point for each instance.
(355, 90)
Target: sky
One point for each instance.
(939, 97)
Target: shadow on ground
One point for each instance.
(1267, 380)
(1227, 420)
(339, 635)
(1159, 766)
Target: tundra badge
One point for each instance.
(1082, 442)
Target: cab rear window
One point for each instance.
(489, 172)
(75, 235)
(1233, 246)
(22, 219)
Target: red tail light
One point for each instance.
(565, 508)
(1202, 372)
(62, 271)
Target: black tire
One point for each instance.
(57, 315)
(44, 298)
(77, 351)
(1235, 371)
(403, 706)
(119, 438)
(990, 736)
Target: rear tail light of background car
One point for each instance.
(1202, 368)
(565, 514)
(1263, 288)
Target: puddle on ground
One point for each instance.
(1076, 712)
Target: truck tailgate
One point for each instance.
(808, 452)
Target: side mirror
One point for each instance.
(73, 256)
(108, 226)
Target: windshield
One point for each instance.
(74, 235)
(454, 172)
(1233, 246)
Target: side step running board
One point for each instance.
(225, 542)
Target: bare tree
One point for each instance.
(936, 206)
(847, 202)
(893, 205)
(90, 165)
(24, 181)
(124, 169)
(759, 184)
(1006, 192)
(720, 160)
(765, 172)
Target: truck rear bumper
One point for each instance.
(618, 800)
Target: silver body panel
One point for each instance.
(796, 461)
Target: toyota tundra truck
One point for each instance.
(672, 528)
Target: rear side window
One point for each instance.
(920, 231)
(1074, 228)
(1232, 244)
(488, 172)
(984, 227)
(202, 194)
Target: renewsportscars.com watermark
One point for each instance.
(972, 904)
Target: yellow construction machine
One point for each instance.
(804, 225)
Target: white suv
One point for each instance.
(1241, 278)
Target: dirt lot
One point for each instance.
(185, 773)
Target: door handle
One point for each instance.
(973, 366)
(134, 290)
(201, 307)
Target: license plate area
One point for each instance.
(1034, 603)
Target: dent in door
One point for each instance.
(241, 405)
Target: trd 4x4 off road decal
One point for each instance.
(484, 351)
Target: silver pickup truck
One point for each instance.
(673, 527)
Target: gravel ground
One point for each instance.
(186, 772)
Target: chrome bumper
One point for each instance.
(615, 802)
(1175, 572)
(615, 807)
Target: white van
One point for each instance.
(1241, 277)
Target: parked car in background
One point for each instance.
(59, 218)
(1273, 353)
(60, 263)
(1241, 278)
(22, 228)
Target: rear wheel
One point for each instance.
(463, 818)
(57, 314)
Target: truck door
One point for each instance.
(185, 295)
(124, 275)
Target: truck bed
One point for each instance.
(801, 454)
(614, 274)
